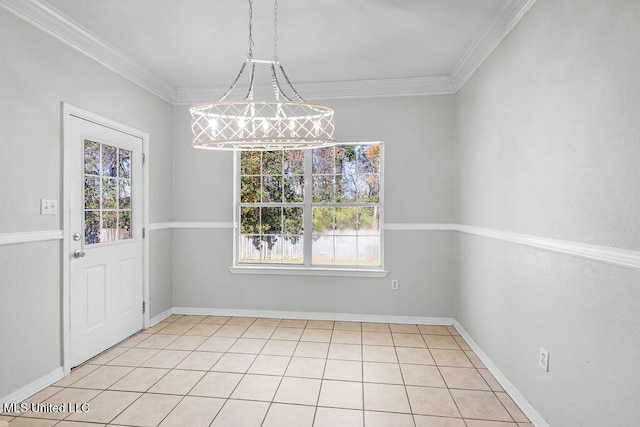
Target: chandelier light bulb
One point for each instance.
(250, 124)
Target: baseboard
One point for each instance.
(521, 401)
(347, 317)
(34, 387)
(160, 317)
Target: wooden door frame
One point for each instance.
(69, 112)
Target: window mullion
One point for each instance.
(308, 212)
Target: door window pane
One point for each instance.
(124, 162)
(91, 158)
(91, 192)
(107, 193)
(109, 229)
(109, 160)
(91, 227)
(124, 225)
(124, 198)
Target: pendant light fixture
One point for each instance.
(286, 121)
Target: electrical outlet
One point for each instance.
(48, 207)
(394, 285)
(543, 359)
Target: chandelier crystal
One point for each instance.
(285, 122)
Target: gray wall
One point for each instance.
(544, 139)
(37, 74)
(548, 143)
(417, 132)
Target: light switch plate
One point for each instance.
(48, 207)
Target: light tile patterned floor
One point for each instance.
(237, 371)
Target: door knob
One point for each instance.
(78, 254)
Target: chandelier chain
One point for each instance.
(274, 83)
(275, 30)
(295, 92)
(277, 89)
(234, 84)
(251, 44)
(286, 122)
(251, 81)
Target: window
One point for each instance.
(107, 193)
(311, 208)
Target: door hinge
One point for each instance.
(144, 232)
(144, 307)
(144, 158)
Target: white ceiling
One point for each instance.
(187, 49)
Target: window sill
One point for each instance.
(308, 271)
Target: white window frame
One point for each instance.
(306, 268)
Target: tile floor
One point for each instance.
(237, 371)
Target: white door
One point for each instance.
(106, 247)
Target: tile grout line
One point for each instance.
(264, 417)
(149, 388)
(447, 384)
(324, 370)
(198, 382)
(227, 352)
(189, 352)
(404, 383)
(192, 387)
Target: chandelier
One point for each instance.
(285, 122)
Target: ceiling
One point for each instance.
(184, 50)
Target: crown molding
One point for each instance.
(70, 33)
(413, 86)
(505, 19)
